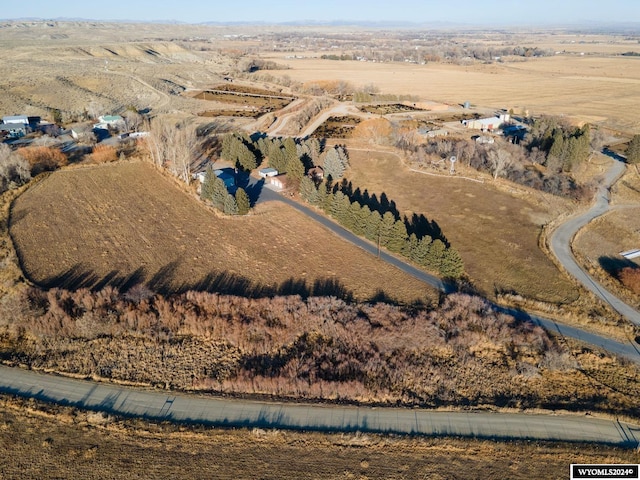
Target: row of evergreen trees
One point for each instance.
(384, 229)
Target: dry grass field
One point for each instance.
(126, 223)
(595, 89)
(495, 231)
(40, 441)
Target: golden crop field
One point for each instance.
(596, 89)
(126, 223)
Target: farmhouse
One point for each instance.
(16, 126)
(82, 132)
(16, 120)
(316, 174)
(227, 175)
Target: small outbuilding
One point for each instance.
(267, 172)
(279, 181)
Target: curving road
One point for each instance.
(624, 349)
(160, 406)
(562, 237)
(270, 195)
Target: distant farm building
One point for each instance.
(487, 124)
(16, 119)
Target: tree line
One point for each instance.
(544, 159)
(383, 228)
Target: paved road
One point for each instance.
(269, 195)
(158, 406)
(624, 349)
(562, 237)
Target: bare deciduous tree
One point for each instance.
(175, 147)
(500, 160)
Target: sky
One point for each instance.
(490, 12)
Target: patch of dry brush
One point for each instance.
(462, 353)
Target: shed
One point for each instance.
(279, 181)
(268, 172)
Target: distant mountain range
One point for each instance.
(629, 27)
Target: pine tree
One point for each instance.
(333, 165)
(373, 226)
(219, 193)
(451, 265)
(421, 252)
(436, 254)
(277, 158)
(410, 247)
(228, 142)
(242, 201)
(361, 219)
(295, 168)
(633, 150)
(290, 149)
(386, 228)
(245, 158)
(308, 190)
(398, 237)
(340, 208)
(557, 152)
(230, 207)
(327, 202)
(207, 189)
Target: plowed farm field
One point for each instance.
(126, 224)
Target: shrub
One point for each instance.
(630, 278)
(43, 158)
(104, 154)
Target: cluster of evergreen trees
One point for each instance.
(239, 149)
(215, 191)
(287, 155)
(565, 146)
(385, 229)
